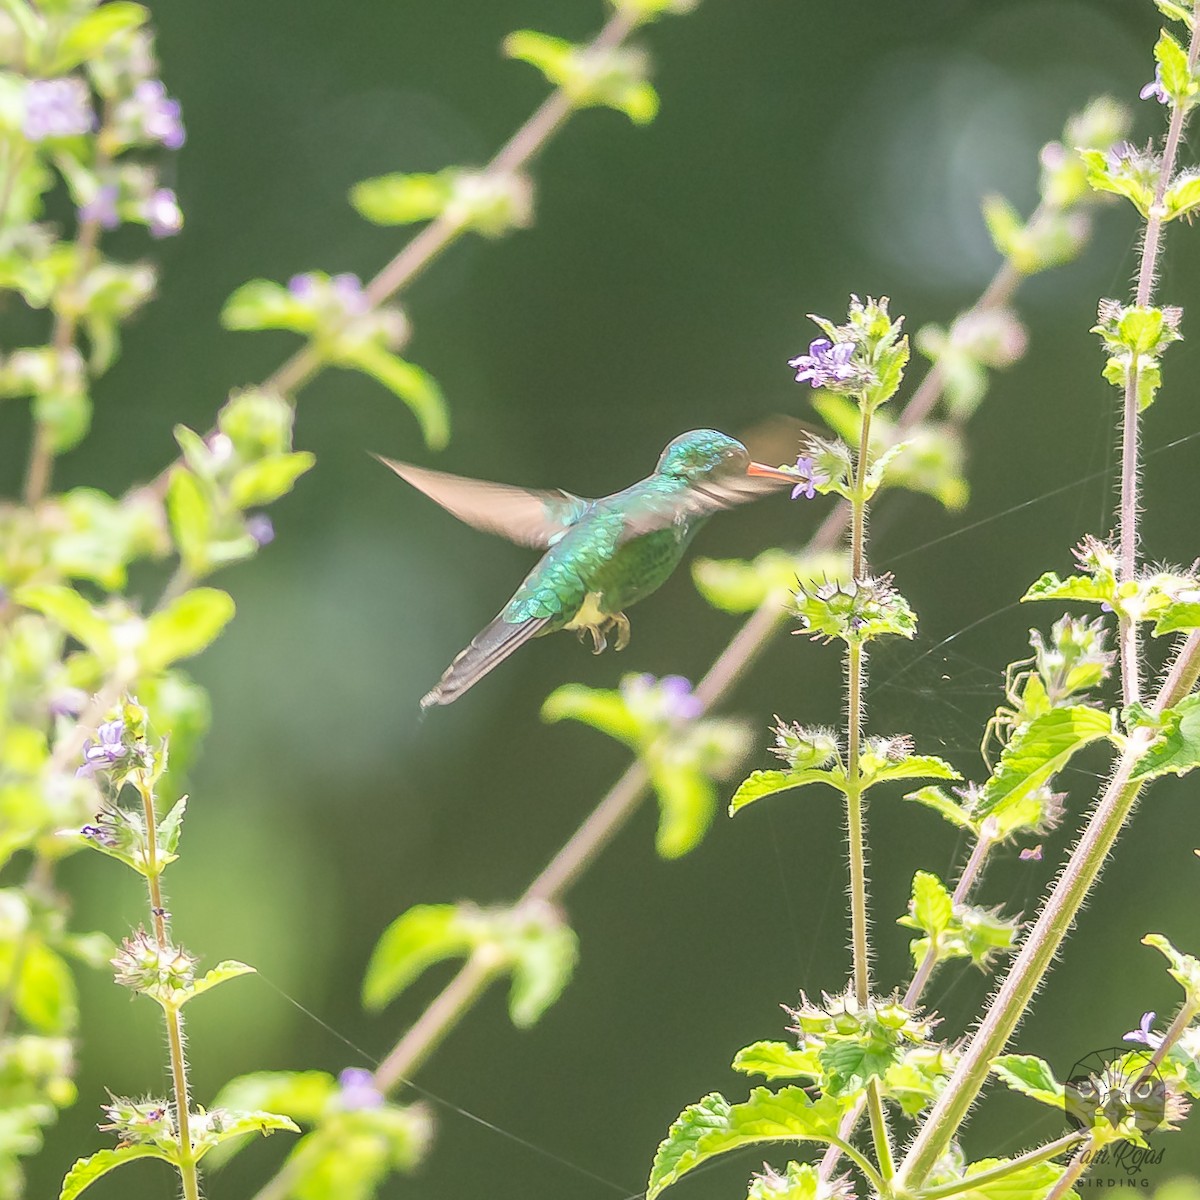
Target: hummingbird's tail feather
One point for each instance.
(486, 651)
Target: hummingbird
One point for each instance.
(600, 556)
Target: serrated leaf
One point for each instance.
(1184, 968)
(768, 783)
(777, 1060)
(185, 627)
(263, 482)
(544, 963)
(914, 766)
(229, 969)
(1040, 750)
(171, 826)
(1178, 615)
(945, 806)
(714, 1126)
(931, 906)
(302, 1095)
(69, 610)
(1031, 1076)
(86, 1171)
(1183, 196)
(91, 33)
(413, 942)
(687, 803)
(1175, 12)
(1173, 71)
(238, 1124)
(1176, 749)
(852, 1064)
(1074, 587)
(415, 386)
(1024, 1183)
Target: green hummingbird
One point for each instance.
(600, 556)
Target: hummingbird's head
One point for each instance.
(698, 455)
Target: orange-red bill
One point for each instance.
(765, 472)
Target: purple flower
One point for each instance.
(358, 1089)
(679, 701)
(162, 214)
(68, 703)
(809, 476)
(1155, 88)
(825, 363)
(156, 114)
(259, 527)
(303, 287)
(109, 748)
(1031, 854)
(58, 108)
(102, 208)
(666, 700)
(1144, 1033)
(348, 290)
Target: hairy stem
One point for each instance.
(1037, 952)
(1130, 654)
(1078, 1165)
(171, 1014)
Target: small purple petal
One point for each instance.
(259, 527)
(57, 108)
(679, 701)
(162, 214)
(350, 295)
(303, 287)
(358, 1090)
(809, 478)
(102, 208)
(1031, 854)
(825, 363)
(109, 748)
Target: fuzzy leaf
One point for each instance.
(914, 766)
(544, 961)
(1176, 750)
(1031, 1076)
(185, 627)
(931, 907)
(1074, 587)
(945, 806)
(1025, 1183)
(777, 1060)
(1173, 69)
(68, 609)
(86, 1171)
(714, 1126)
(1039, 750)
(1178, 615)
(238, 1124)
(768, 783)
(414, 941)
(171, 826)
(1184, 968)
(229, 969)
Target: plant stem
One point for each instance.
(879, 1130)
(1178, 1027)
(1029, 1159)
(1054, 921)
(171, 1014)
(1127, 631)
(1076, 1167)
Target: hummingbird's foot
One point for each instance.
(599, 641)
(621, 624)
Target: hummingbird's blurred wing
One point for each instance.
(697, 501)
(529, 518)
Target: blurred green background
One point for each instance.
(803, 151)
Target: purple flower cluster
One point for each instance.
(162, 214)
(670, 698)
(102, 207)
(57, 108)
(345, 289)
(826, 362)
(150, 115)
(106, 750)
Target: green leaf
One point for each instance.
(45, 996)
(544, 962)
(1039, 750)
(777, 1060)
(413, 942)
(263, 482)
(687, 802)
(945, 806)
(1024, 1183)
(799, 1181)
(171, 826)
(416, 387)
(1173, 70)
(1183, 196)
(1178, 615)
(86, 1171)
(602, 710)
(229, 969)
(264, 304)
(931, 906)
(1184, 968)
(714, 1126)
(1030, 1075)
(400, 199)
(1175, 12)
(851, 1064)
(185, 627)
(230, 1125)
(914, 766)
(91, 33)
(68, 609)
(192, 520)
(738, 585)
(1176, 749)
(1074, 587)
(301, 1095)
(768, 783)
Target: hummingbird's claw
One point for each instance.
(621, 622)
